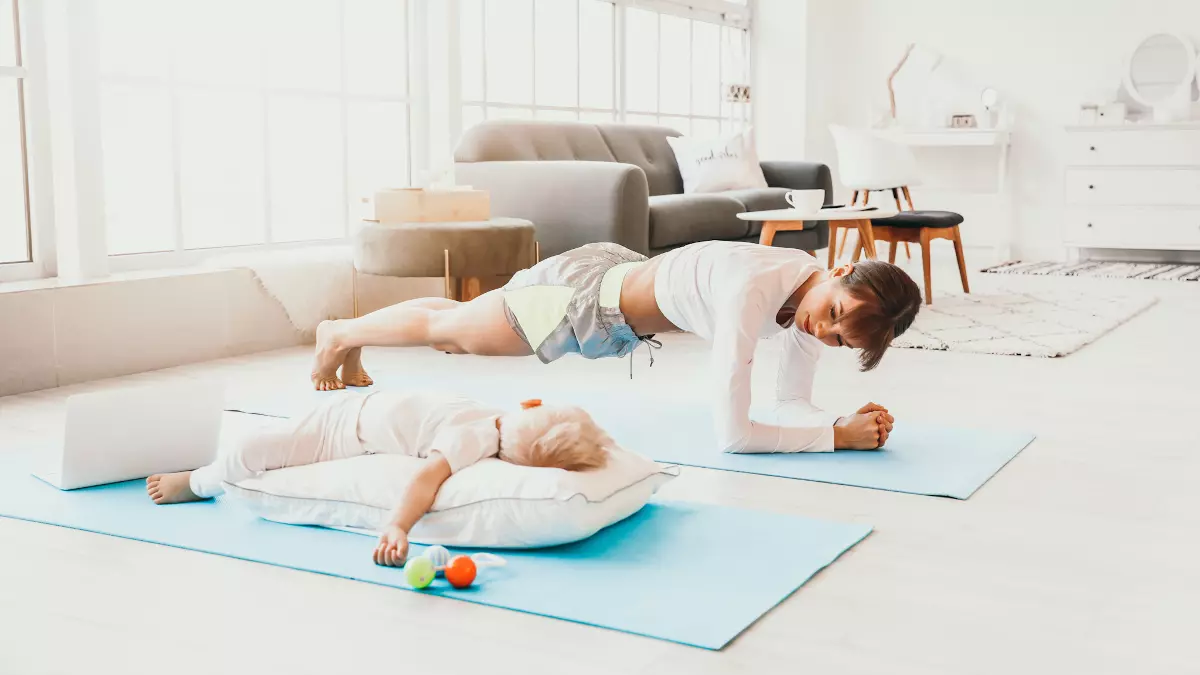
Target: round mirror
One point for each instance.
(1160, 68)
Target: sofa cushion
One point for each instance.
(923, 219)
(758, 199)
(517, 141)
(710, 165)
(647, 147)
(683, 219)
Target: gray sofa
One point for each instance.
(581, 183)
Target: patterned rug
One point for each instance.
(1046, 323)
(1111, 270)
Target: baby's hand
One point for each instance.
(392, 549)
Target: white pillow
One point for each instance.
(492, 504)
(718, 164)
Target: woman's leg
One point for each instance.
(476, 327)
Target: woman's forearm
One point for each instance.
(420, 494)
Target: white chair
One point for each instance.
(869, 163)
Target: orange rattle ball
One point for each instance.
(460, 572)
(531, 403)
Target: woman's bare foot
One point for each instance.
(353, 374)
(327, 359)
(171, 488)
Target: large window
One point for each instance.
(151, 133)
(600, 60)
(240, 122)
(15, 241)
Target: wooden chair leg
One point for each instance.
(853, 197)
(833, 232)
(926, 242)
(448, 292)
(908, 197)
(767, 236)
(866, 197)
(962, 264)
(896, 196)
(842, 245)
(892, 251)
(866, 236)
(858, 250)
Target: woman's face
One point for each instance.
(823, 306)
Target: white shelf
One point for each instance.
(949, 137)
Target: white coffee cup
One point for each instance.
(808, 201)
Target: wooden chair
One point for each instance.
(866, 164)
(921, 227)
(866, 196)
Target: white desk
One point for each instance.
(1000, 139)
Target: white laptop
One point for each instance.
(123, 434)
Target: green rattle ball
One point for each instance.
(419, 572)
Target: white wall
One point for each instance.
(59, 334)
(1044, 56)
(778, 88)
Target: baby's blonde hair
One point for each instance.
(562, 437)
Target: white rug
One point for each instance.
(1046, 323)
(1104, 269)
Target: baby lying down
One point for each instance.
(448, 432)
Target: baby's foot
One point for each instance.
(353, 374)
(171, 488)
(327, 359)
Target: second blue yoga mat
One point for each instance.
(918, 459)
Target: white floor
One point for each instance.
(1080, 556)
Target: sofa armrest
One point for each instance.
(570, 203)
(799, 176)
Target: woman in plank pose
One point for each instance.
(604, 300)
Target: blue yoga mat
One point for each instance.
(918, 459)
(664, 573)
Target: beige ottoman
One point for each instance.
(467, 251)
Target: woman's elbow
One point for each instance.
(734, 442)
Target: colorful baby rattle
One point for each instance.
(459, 570)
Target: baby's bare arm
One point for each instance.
(392, 549)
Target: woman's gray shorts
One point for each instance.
(571, 303)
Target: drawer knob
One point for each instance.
(1092, 148)
(1089, 224)
(1091, 187)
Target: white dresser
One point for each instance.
(1133, 187)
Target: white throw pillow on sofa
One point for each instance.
(491, 504)
(718, 164)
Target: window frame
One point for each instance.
(64, 179)
(95, 247)
(724, 14)
(25, 72)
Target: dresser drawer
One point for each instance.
(1134, 148)
(1133, 187)
(1134, 228)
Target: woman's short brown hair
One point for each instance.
(890, 301)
